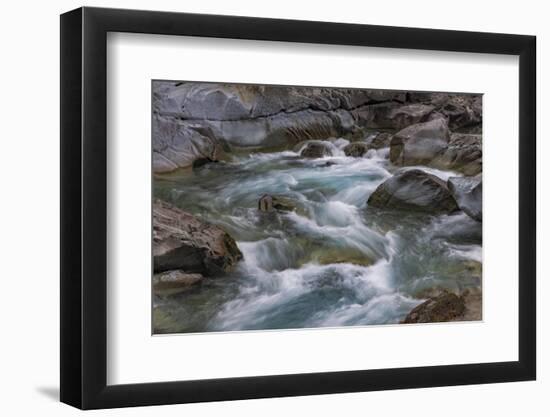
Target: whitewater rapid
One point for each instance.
(331, 262)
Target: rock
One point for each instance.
(473, 302)
(177, 145)
(419, 144)
(461, 110)
(172, 282)
(463, 154)
(182, 241)
(316, 149)
(468, 193)
(328, 256)
(413, 190)
(444, 307)
(269, 203)
(380, 141)
(356, 149)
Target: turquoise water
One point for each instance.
(332, 262)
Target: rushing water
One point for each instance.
(332, 262)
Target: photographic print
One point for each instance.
(295, 207)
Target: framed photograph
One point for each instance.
(257, 208)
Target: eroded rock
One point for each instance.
(182, 241)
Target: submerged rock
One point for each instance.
(316, 149)
(172, 282)
(468, 193)
(182, 241)
(269, 203)
(441, 308)
(356, 149)
(419, 144)
(413, 190)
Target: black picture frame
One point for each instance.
(84, 207)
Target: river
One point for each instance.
(332, 262)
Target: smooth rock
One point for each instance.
(177, 145)
(172, 282)
(413, 190)
(182, 241)
(419, 144)
(468, 194)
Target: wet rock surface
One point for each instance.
(413, 190)
(182, 241)
(468, 194)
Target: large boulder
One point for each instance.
(413, 190)
(419, 144)
(182, 241)
(463, 154)
(468, 193)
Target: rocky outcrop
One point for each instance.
(413, 190)
(316, 149)
(419, 144)
(444, 307)
(182, 241)
(462, 111)
(195, 123)
(468, 193)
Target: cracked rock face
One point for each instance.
(183, 242)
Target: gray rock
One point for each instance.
(173, 282)
(380, 141)
(468, 193)
(182, 241)
(316, 149)
(356, 149)
(419, 144)
(463, 154)
(413, 190)
(178, 145)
